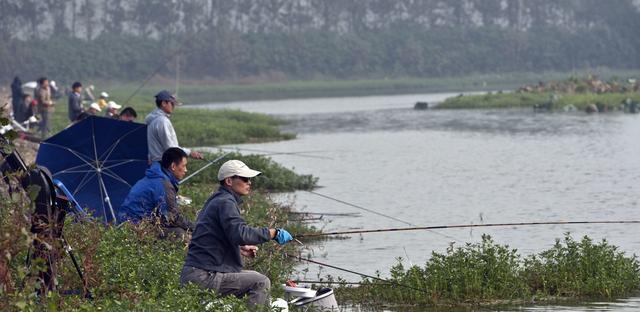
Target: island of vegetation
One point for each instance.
(588, 94)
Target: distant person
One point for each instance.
(88, 91)
(160, 132)
(46, 106)
(55, 91)
(75, 101)
(221, 236)
(102, 101)
(155, 195)
(94, 108)
(27, 105)
(128, 114)
(17, 100)
(112, 110)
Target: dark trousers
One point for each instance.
(250, 283)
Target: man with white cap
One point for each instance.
(112, 109)
(93, 109)
(102, 101)
(221, 235)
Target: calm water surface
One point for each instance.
(439, 167)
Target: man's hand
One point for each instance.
(282, 236)
(196, 155)
(249, 251)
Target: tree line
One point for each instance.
(312, 39)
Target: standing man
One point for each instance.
(156, 194)
(17, 100)
(221, 236)
(45, 105)
(75, 101)
(160, 132)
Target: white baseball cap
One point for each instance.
(104, 94)
(112, 104)
(95, 106)
(236, 168)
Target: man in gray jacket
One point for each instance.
(160, 132)
(75, 101)
(221, 235)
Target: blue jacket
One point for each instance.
(219, 232)
(154, 194)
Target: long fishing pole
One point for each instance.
(377, 213)
(163, 64)
(356, 273)
(270, 153)
(203, 167)
(436, 227)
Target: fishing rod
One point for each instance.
(204, 167)
(435, 227)
(378, 213)
(270, 153)
(163, 64)
(356, 273)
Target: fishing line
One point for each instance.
(378, 213)
(270, 153)
(356, 273)
(163, 64)
(468, 226)
(203, 167)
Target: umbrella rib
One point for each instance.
(83, 182)
(70, 168)
(115, 176)
(115, 144)
(121, 162)
(74, 171)
(82, 157)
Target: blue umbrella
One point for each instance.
(98, 159)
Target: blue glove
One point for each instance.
(283, 237)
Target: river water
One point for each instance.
(438, 167)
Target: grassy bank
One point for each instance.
(488, 273)
(128, 268)
(195, 127)
(195, 92)
(528, 100)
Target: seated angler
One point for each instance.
(156, 194)
(221, 235)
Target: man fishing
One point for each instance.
(160, 132)
(156, 194)
(221, 236)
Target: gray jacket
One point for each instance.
(219, 232)
(160, 134)
(75, 106)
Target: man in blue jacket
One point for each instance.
(221, 236)
(156, 194)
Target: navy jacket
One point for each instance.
(154, 194)
(219, 233)
(75, 106)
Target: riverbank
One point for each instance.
(128, 268)
(490, 274)
(194, 127)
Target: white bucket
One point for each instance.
(324, 300)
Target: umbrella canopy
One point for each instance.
(98, 159)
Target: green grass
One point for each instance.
(196, 127)
(128, 268)
(489, 273)
(203, 92)
(528, 100)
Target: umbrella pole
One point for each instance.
(106, 198)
